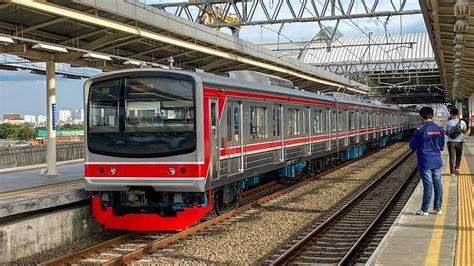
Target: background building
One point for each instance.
(12, 118)
(30, 119)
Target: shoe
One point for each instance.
(420, 212)
(452, 175)
(438, 212)
(456, 171)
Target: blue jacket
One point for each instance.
(428, 142)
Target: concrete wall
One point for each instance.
(44, 232)
(29, 155)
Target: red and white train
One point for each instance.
(164, 147)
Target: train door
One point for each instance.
(277, 134)
(375, 124)
(234, 137)
(345, 127)
(366, 118)
(357, 126)
(335, 135)
(307, 127)
(328, 129)
(214, 139)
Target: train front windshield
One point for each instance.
(141, 117)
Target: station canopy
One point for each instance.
(111, 35)
(398, 68)
(450, 27)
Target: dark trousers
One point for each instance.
(455, 152)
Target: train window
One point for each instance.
(293, 125)
(317, 122)
(236, 123)
(340, 119)
(305, 122)
(351, 120)
(333, 119)
(229, 124)
(156, 105)
(362, 120)
(276, 121)
(257, 122)
(371, 120)
(156, 117)
(104, 106)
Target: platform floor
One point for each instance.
(26, 190)
(31, 178)
(446, 239)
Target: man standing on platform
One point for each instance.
(428, 142)
(455, 128)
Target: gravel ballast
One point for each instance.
(250, 236)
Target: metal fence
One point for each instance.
(29, 155)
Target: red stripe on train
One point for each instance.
(146, 170)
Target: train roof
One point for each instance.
(217, 80)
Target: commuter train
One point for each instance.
(166, 147)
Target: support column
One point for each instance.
(470, 104)
(459, 107)
(51, 117)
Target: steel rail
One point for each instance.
(363, 238)
(71, 258)
(161, 243)
(158, 244)
(289, 253)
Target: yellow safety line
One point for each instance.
(435, 243)
(465, 237)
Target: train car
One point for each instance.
(165, 147)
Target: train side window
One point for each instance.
(341, 121)
(362, 120)
(236, 123)
(293, 121)
(317, 122)
(276, 121)
(257, 122)
(213, 119)
(352, 120)
(229, 124)
(333, 121)
(371, 120)
(304, 126)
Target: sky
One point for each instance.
(25, 93)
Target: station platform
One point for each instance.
(446, 239)
(26, 190)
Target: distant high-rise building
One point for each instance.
(42, 119)
(65, 116)
(77, 116)
(30, 119)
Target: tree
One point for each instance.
(27, 133)
(12, 131)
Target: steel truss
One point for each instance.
(392, 81)
(251, 13)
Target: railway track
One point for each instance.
(133, 246)
(353, 230)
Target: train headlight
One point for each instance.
(171, 170)
(112, 170)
